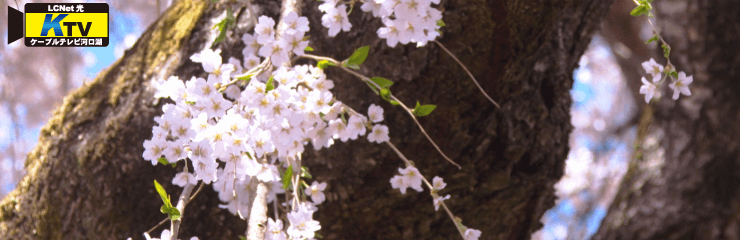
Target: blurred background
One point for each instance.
(33, 82)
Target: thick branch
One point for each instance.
(258, 214)
(184, 199)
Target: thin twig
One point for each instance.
(408, 110)
(236, 196)
(657, 33)
(449, 213)
(197, 191)
(429, 185)
(425, 132)
(467, 71)
(264, 65)
(409, 163)
(158, 224)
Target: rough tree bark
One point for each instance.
(87, 179)
(684, 182)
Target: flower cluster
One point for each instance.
(244, 135)
(409, 178)
(278, 48)
(437, 185)
(405, 20)
(248, 121)
(679, 85)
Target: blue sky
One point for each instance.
(121, 25)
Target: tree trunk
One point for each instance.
(684, 182)
(87, 179)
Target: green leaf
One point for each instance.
(245, 78)
(167, 208)
(358, 57)
(174, 214)
(164, 161)
(162, 194)
(641, 9)
(287, 176)
(440, 23)
(242, 238)
(323, 64)
(269, 86)
(191, 103)
(423, 110)
(382, 82)
(394, 102)
(223, 26)
(673, 74)
(305, 173)
(653, 39)
(666, 50)
(308, 49)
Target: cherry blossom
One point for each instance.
(653, 68)
(274, 230)
(295, 24)
(379, 134)
(302, 224)
(438, 183)
(375, 113)
(412, 178)
(472, 234)
(648, 89)
(336, 20)
(681, 85)
(316, 192)
(438, 200)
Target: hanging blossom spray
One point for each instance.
(679, 81)
(245, 126)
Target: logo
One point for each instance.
(60, 25)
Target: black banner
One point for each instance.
(15, 25)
